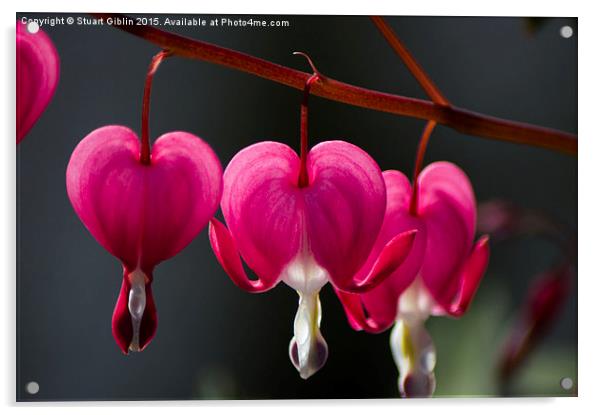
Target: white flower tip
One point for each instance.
(415, 357)
(316, 359)
(308, 350)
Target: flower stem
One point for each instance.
(426, 134)
(303, 177)
(412, 64)
(152, 68)
(462, 120)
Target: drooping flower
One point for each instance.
(548, 292)
(547, 296)
(143, 206)
(305, 221)
(439, 276)
(37, 76)
(305, 236)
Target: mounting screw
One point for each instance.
(32, 388)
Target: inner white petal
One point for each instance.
(415, 357)
(136, 306)
(304, 274)
(415, 303)
(411, 345)
(308, 349)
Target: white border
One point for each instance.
(590, 187)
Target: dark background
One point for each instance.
(217, 341)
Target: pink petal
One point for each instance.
(393, 254)
(471, 275)
(381, 302)
(143, 214)
(447, 206)
(37, 76)
(356, 315)
(383, 305)
(185, 186)
(345, 204)
(335, 218)
(100, 167)
(263, 209)
(224, 247)
(447, 178)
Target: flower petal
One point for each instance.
(393, 254)
(415, 357)
(345, 203)
(37, 76)
(263, 208)
(471, 275)
(308, 350)
(224, 247)
(106, 189)
(356, 314)
(447, 178)
(184, 191)
(448, 207)
(121, 324)
(380, 303)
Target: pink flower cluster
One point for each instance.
(394, 251)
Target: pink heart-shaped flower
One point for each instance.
(142, 214)
(37, 76)
(440, 275)
(274, 224)
(441, 255)
(306, 235)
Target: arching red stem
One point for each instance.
(424, 140)
(152, 68)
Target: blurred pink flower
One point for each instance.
(547, 295)
(498, 218)
(37, 76)
(439, 277)
(142, 213)
(306, 225)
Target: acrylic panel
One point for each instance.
(389, 212)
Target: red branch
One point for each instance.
(462, 120)
(412, 64)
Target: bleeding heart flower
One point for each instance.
(37, 76)
(306, 221)
(547, 295)
(548, 292)
(439, 277)
(143, 207)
